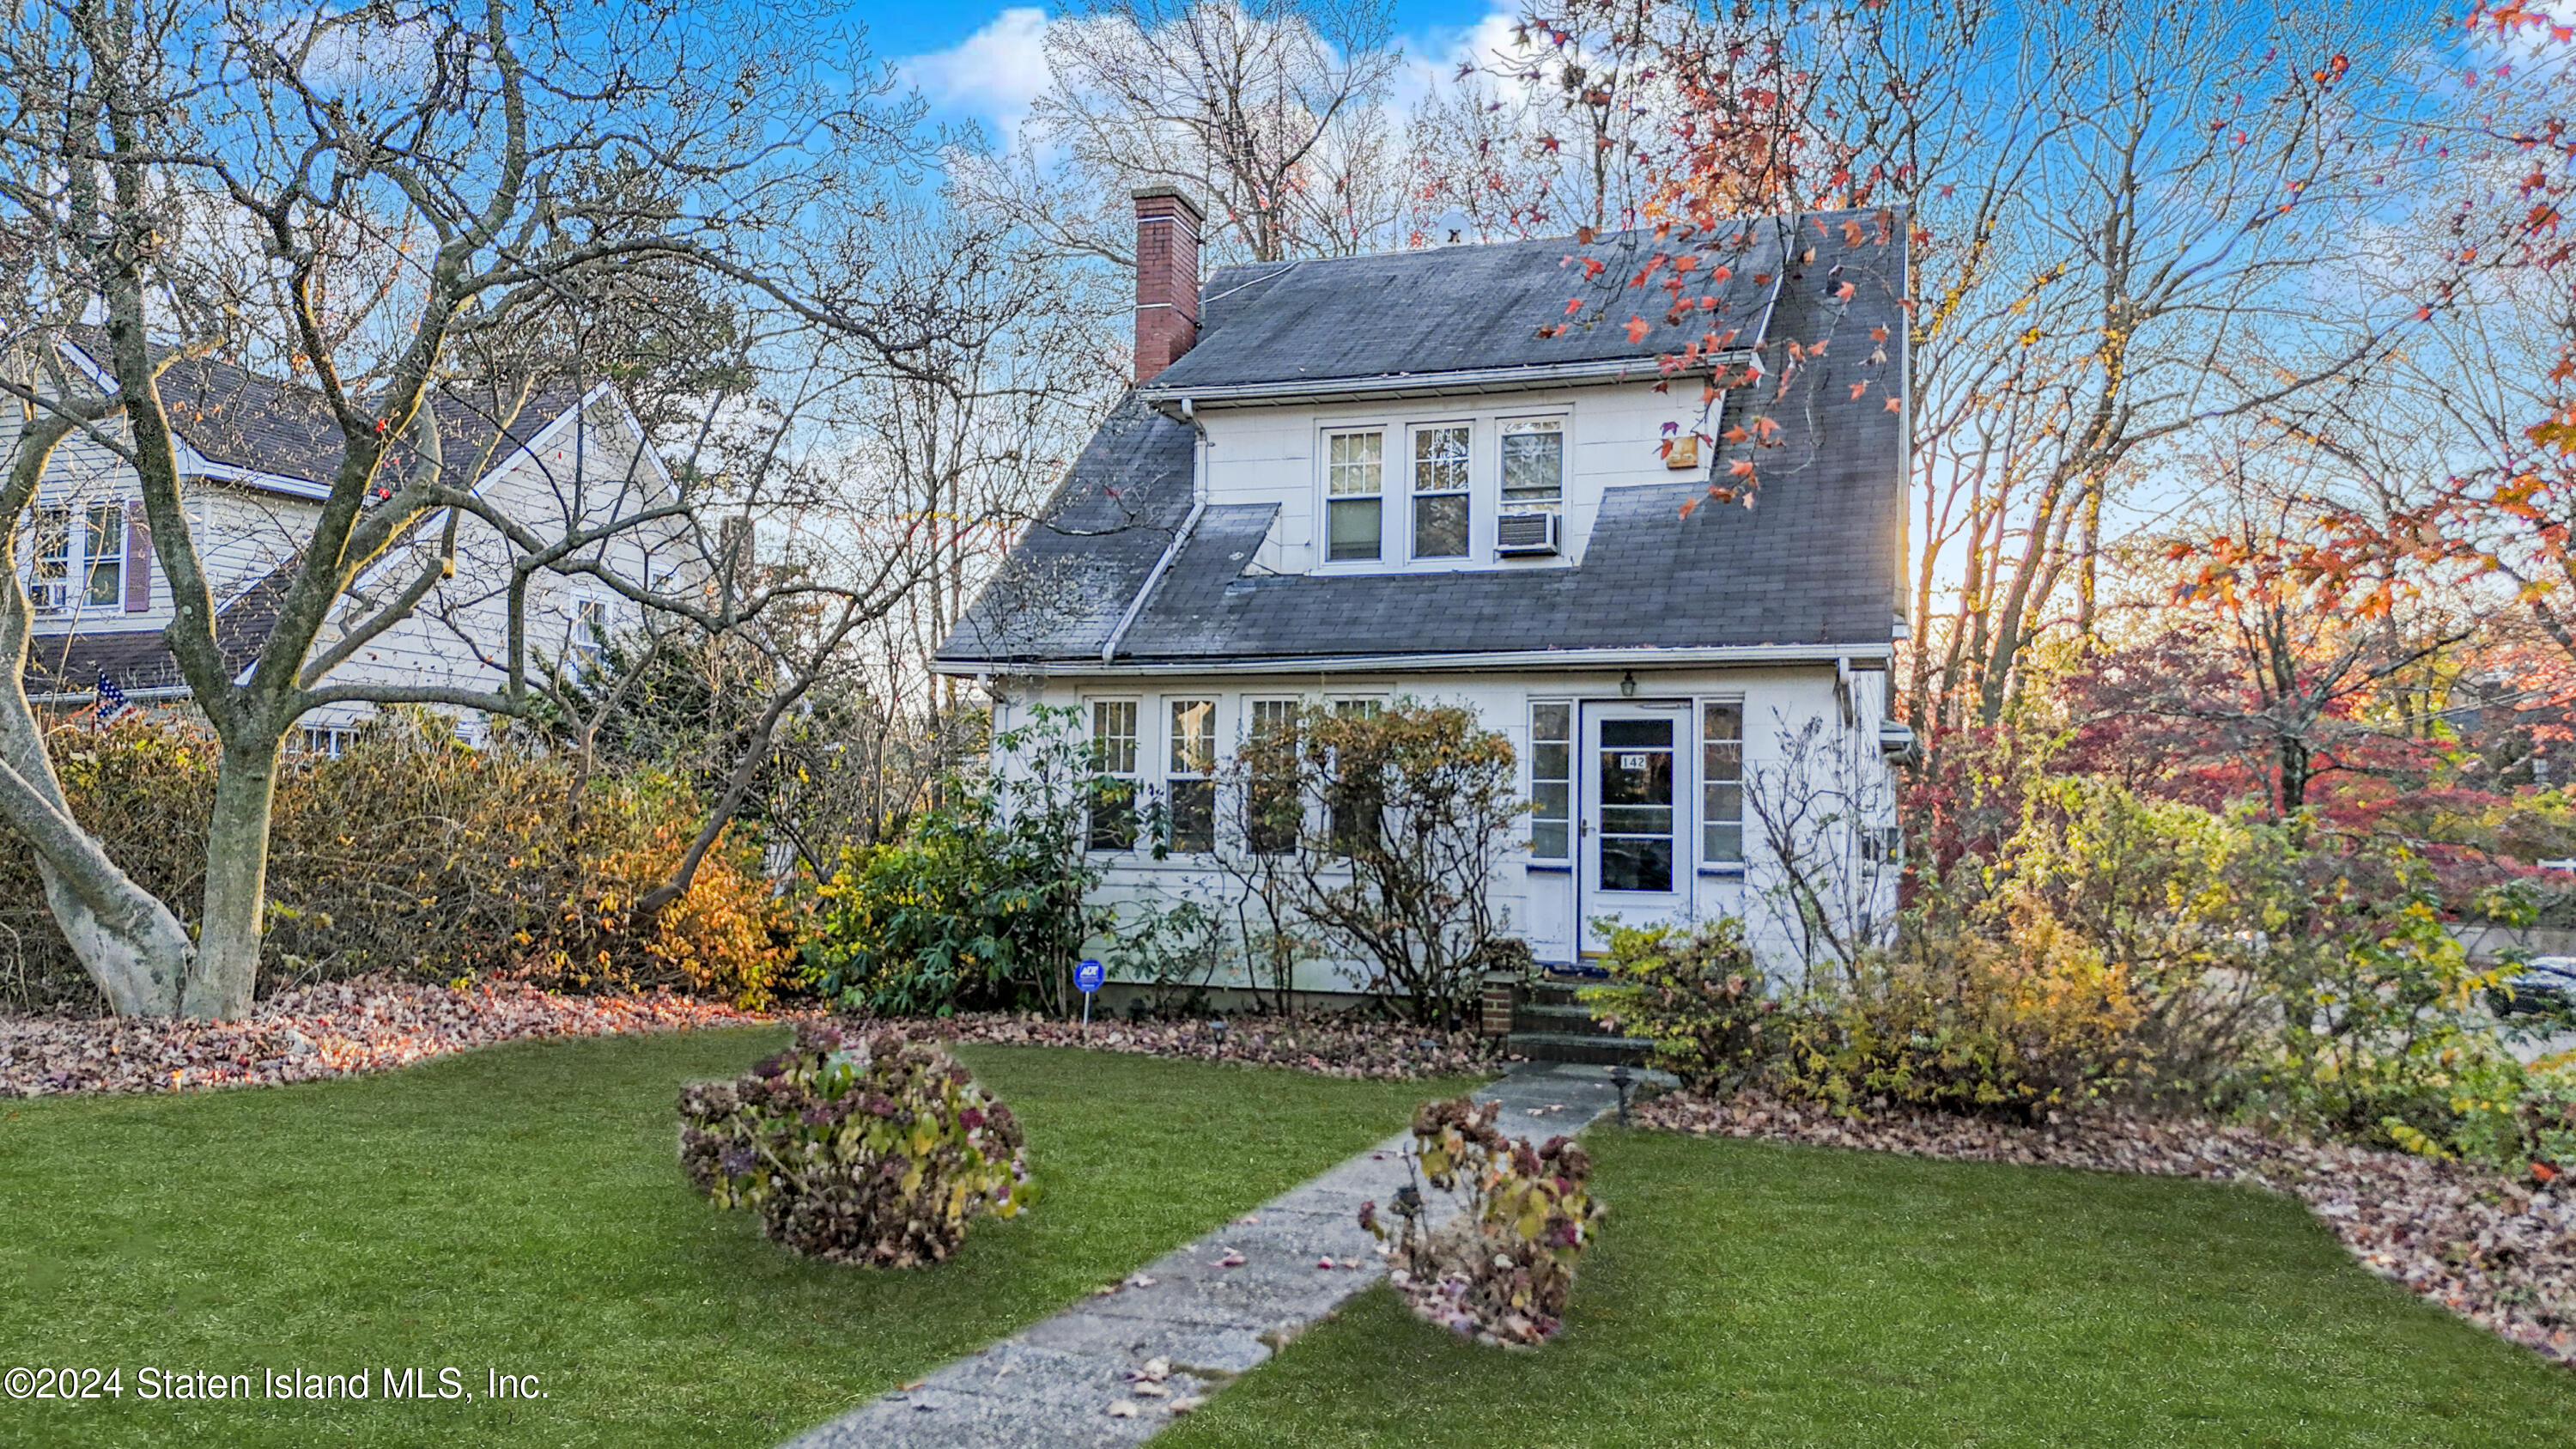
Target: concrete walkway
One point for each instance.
(1055, 1382)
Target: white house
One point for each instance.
(257, 458)
(1362, 478)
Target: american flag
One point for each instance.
(112, 703)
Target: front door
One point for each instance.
(1630, 814)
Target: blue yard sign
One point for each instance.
(1087, 977)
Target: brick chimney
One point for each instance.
(1167, 278)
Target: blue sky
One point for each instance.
(982, 62)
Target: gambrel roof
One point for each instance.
(1813, 564)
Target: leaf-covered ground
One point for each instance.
(1756, 1294)
(520, 1210)
(313, 1033)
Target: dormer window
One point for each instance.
(1533, 464)
(1356, 483)
(1440, 510)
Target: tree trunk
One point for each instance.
(227, 967)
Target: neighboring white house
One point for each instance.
(257, 459)
(1385, 476)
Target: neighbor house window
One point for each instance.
(1551, 779)
(1533, 464)
(80, 559)
(1721, 784)
(1113, 768)
(1271, 812)
(329, 741)
(103, 564)
(1355, 482)
(1440, 492)
(49, 582)
(1191, 784)
(590, 635)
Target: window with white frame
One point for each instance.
(1440, 507)
(1721, 784)
(1533, 464)
(1551, 780)
(329, 741)
(1112, 823)
(1272, 814)
(1353, 804)
(1189, 785)
(1355, 501)
(590, 635)
(79, 559)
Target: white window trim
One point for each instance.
(1720, 869)
(1573, 765)
(1173, 773)
(1479, 492)
(1564, 420)
(1134, 774)
(77, 559)
(1388, 432)
(1395, 492)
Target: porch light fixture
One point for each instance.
(1628, 685)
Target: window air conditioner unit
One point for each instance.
(1522, 534)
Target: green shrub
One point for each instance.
(980, 904)
(879, 1151)
(1698, 998)
(1502, 1268)
(1964, 1021)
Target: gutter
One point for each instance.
(1180, 401)
(1845, 657)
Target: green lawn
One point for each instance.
(1748, 1294)
(521, 1210)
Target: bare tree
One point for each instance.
(1268, 112)
(476, 131)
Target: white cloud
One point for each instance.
(992, 74)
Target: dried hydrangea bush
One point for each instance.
(1501, 1268)
(878, 1150)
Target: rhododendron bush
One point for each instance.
(1501, 1268)
(877, 1150)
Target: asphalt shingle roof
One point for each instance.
(241, 419)
(1813, 563)
(1452, 309)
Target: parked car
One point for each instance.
(2545, 984)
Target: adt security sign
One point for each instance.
(1087, 978)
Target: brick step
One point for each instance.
(1556, 1046)
(1568, 1020)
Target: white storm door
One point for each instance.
(1633, 784)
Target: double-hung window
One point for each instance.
(1721, 784)
(1113, 770)
(80, 559)
(1272, 813)
(1355, 502)
(1190, 787)
(590, 635)
(1551, 780)
(1356, 804)
(1440, 511)
(1533, 465)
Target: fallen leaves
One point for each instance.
(1327, 1046)
(337, 1029)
